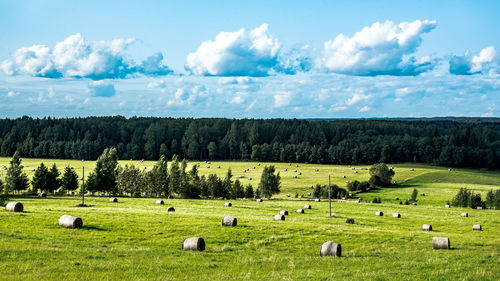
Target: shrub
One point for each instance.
(381, 175)
(414, 195)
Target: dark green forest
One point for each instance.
(457, 142)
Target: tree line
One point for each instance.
(457, 142)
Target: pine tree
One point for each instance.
(158, 178)
(414, 195)
(103, 178)
(15, 179)
(249, 192)
(53, 182)
(69, 180)
(238, 190)
(269, 182)
(41, 179)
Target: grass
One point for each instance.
(135, 239)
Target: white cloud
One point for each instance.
(357, 98)
(365, 109)
(11, 94)
(236, 54)
(382, 48)
(465, 65)
(189, 96)
(101, 89)
(78, 58)
(282, 99)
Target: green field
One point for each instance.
(135, 239)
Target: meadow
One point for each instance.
(135, 239)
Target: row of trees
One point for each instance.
(472, 142)
(467, 198)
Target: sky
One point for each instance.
(250, 59)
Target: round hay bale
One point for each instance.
(218, 167)
(357, 201)
(379, 213)
(397, 198)
(447, 206)
(244, 171)
(228, 204)
(284, 212)
(396, 215)
(414, 203)
(355, 172)
(310, 186)
(307, 206)
(477, 227)
(309, 194)
(253, 167)
(170, 209)
(449, 170)
(71, 193)
(300, 173)
(160, 202)
(113, 199)
(479, 208)
(258, 200)
(295, 171)
(317, 200)
(353, 168)
(294, 177)
(349, 220)
(427, 227)
(343, 177)
(317, 170)
(350, 194)
(391, 168)
(258, 164)
(286, 170)
(422, 194)
(330, 249)
(288, 195)
(42, 195)
(465, 215)
(250, 179)
(296, 165)
(229, 221)
(289, 164)
(279, 217)
(441, 242)
(70, 221)
(193, 244)
(300, 211)
(208, 167)
(412, 169)
(346, 181)
(14, 207)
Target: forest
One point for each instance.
(454, 142)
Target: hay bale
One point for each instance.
(414, 203)
(349, 220)
(250, 178)
(288, 195)
(479, 208)
(310, 186)
(289, 164)
(317, 200)
(441, 242)
(14, 207)
(309, 194)
(71, 193)
(284, 212)
(465, 215)
(113, 199)
(208, 167)
(396, 215)
(379, 213)
(170, 209)
(279, 217)
(427, 227)
(253, 167)
(330, 249)
(446, 206)
(258, 164)
(228, 204)
(477, 227)
(244, 171)
(296, 165)
(193, 244)
(300, 173)
(449, 170)
(412, 169)
(42, 195)
(70, 221)
(229, 221)
(397, 198)
(286, 170)
(258, 200)
(317, 170)
(300, 211)
(422, 194)
(357, 201)
(346, 181)
(160, 202)
(294, 177)
(343, 177)
(295, 171)
(307, 206)
(355, 172)
(218, 167)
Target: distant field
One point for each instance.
(437, 183)
(135, 239)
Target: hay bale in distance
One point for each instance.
(379, 213)
(160, 202)
(464, 214)
(288, 195)
(300, 173)
(258, 200)
(349, 220)
(317, 200)
(441, 242)
(307, 206)
(330, 249)
(193, 244)
(279, 217)
(294, 177)
(317, 170)
(309, 194)
(286, 170)
(357, 201)
(284, 212)
(479, 208)
(228, 204)
(355, 172)
(396, 215)
(300, 211)
(446, 206)
(422, 194)
(449, 170)
(229, 221)
(397, 198)
(170, 209)
(477, 227)
(113, 199)
(412, 169)
(14, 207)
(427, 227)
(343, 177)
(42, 195)
(70, 221)
(310, 186)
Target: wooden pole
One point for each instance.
(83, 186)
(330, 195)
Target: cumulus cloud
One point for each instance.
(189, 95)
(239, 53)
(357, 98)
(467, 64)
(78, 58)
(11, 94)
(101, 89)
(365, 109)
(282, 99)
(379, 49)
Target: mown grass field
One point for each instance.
(135, 239)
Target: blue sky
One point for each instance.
(260, 59)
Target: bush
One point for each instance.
(466, 198)
(414, 195)
(381, 175)
(377, 200)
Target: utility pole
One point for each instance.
(83, 186)
(330, 195)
